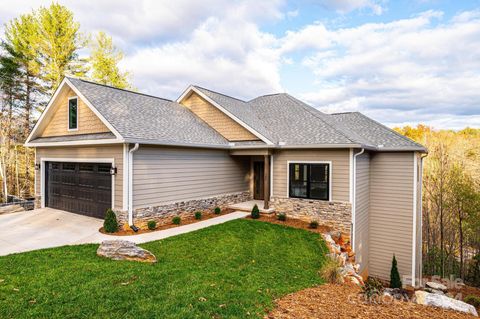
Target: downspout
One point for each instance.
(130, 187)
(354, 197)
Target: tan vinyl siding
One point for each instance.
(391, 213)
(362, 203)
(88, 122)
(340, 170)
(218, 120)
(91, 152)
(164, 175)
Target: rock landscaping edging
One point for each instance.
(124, 250)
(443, 301)
(340, 249)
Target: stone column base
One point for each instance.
(336, 215)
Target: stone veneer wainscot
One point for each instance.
(163, 214)
(337, 215)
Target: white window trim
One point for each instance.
(68, 114)
(73, 160)
(330, 174)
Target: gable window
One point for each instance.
(309, 180)
(72, 113)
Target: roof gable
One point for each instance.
(57, 123)
(234, 108)
(54, 119)
(218, 120)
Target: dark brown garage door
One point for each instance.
(82, 188)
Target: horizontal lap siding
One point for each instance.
(340, 170)
(391, 213)
(165, 175)
(362, 203)
(92, 152)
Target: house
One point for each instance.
(99, 147)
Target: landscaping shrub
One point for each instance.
(473, 300)
(330, 271)
(282, 217)
(313, 224)
(110, 225)
(395, 281)
(217, 210)
(198, 215)
(176, 220)
(372, 287)
(152, 225)
(255, 212)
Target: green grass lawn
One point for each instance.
(232, 270)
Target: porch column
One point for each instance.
(266, 182)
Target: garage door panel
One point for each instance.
(83, 188)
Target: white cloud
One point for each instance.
(230, 55)
(170, 44)
(419, 69)
(346, 6)
(416, 69)
(150, 21)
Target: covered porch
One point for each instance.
(260, 179)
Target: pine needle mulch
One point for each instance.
(343, 301)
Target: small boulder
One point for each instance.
(397, 293)
(434, 291)
(336, 236)
(436, 286)
(442, 301)
(124, 250)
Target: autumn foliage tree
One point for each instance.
(451, 201)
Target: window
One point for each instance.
(72, 113)
(309, 180)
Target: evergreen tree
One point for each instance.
(59, 43)
(395, 281)
(104, 59)
(22, 38)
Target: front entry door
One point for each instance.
(258, 185)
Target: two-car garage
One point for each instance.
(82, 188)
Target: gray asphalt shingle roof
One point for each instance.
(280, 118)
(142, 117)
(370, 132)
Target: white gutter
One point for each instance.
(130, 184)
(354, 199)
(414, 230)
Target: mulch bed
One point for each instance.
(190, 219)
(292, 222)
(344, 301)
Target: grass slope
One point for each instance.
(233, 270)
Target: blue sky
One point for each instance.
(400, 62)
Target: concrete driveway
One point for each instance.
(47, 227)
(44, 228)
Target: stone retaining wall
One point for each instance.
(337, 215)
(163, 214)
